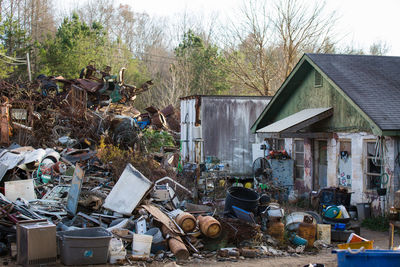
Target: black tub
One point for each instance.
(243, 198)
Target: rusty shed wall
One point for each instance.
(226, 123)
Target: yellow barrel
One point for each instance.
(209, 226)
(186, 221)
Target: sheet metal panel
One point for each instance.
(127, 193)
(188, 119)
(292, 120)
(226, 124)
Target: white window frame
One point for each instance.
(366, 158)
(297, 154)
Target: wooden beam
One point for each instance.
(391, 133)
(306, 135)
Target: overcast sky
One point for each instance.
(362, 22)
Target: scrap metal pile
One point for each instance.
(97, 179)
(98, 104)
(132, 219)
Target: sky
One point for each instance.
(360, 23)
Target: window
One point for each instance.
(275, 143)
(317, 79)
(299, 159)
(373, 167)
(278, 144)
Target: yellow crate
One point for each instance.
(357, 245)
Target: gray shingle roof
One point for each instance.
(372, 82)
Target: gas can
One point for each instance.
(308, 232)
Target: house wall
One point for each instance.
(358, 158)
(305, 95)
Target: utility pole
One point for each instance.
(29, 67)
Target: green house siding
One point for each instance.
(300, 93)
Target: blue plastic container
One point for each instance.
(367, 258)
(298, 241)
(339, 226)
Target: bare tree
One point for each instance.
(101, 11)
(28, 22)
(263, 48)
(250, 50)
(379, 48)
(302, 27)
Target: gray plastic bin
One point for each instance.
(84, 246)
(363, 211)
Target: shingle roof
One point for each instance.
(372, 82)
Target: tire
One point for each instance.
(316, 216)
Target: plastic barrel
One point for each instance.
(243, 198)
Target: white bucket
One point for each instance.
(141, 244)
(116, 251)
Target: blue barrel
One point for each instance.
(367, 258)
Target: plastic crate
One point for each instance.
(357, 245)
(367, 258)
(84, 246)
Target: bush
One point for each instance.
(380, 223)
(118, 158)
(155, 140)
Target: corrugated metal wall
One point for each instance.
(188, 119)
(226, 132)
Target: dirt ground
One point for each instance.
(381, 241)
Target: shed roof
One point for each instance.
(372, 83)
(297, 120)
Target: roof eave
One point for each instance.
(254, 127)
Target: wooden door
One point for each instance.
(320, 177)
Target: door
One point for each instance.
(320, 164)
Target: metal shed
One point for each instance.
(219, 126)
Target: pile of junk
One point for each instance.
(66, 206)
(73, 211)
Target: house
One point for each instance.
(340, 117)
(219, 127)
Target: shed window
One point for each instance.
(278, 144)
(299, 159)
(317, 79)
(373, 167)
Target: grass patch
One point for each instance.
(380, 223)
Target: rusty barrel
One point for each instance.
(186, 221)
(307, 231)
(175, 244)
(276, 230)
(209, 226)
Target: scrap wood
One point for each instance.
(123, 234)
(162, 217)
